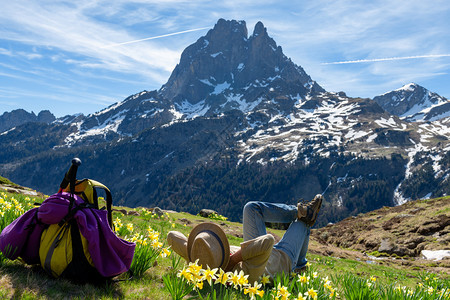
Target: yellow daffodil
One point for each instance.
(165, 252)
(373, 278)
(303, 279)
(253, 290)
(130, 227)
(210, 275)
(243, 279)
(194, 266)
(234, 279)
(222, 277)
(311, 293)
(300, 297)
(282, 292)
(185, 274)
(156, 244)
(265, 279)
(199, 285)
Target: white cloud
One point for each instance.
(68, 30)
(386, 59)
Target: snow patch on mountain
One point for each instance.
(190, 111)
(110, 125)
(386, 123)
(220, 88)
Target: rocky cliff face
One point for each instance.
(226, 70)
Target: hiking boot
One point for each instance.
(308, 212)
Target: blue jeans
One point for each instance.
(296, 238)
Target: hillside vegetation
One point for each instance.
(342, 259)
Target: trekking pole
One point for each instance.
(70, 176)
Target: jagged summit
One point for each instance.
(18, 117)
(226, 68)
(414, 103)
(259, 29)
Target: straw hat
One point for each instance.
(208, 243)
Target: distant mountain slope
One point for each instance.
(413, 102)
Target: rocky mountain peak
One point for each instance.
(414, 103)
(45, 116)
(225, 29)
(259, 29)
(18, 117)
(227, 70)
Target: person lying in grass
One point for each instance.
(258, 254)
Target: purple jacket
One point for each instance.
(110, 254)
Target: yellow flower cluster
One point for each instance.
(443, 294)
(117, 223)
(11, 208)
(196, 275)
(153, 235)
(311, 293)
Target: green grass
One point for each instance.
(6, 181)
(19, 281)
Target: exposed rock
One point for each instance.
(185, 221)
(429, 229)
(20, 190)
(205, 213)
(158, 211)
(386, 246)
(395, 220)
(123, 211)
(413, 242)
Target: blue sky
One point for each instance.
(81, 56)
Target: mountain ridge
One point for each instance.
(413, 102)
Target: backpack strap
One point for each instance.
(96, 184)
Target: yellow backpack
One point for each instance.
(63, 250)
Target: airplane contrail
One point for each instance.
(154, 37)
(385, 59)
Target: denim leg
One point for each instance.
(295, 243)
(257, 213)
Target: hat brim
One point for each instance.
(207, 226)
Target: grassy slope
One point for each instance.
(6, 181)
(19, 281)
